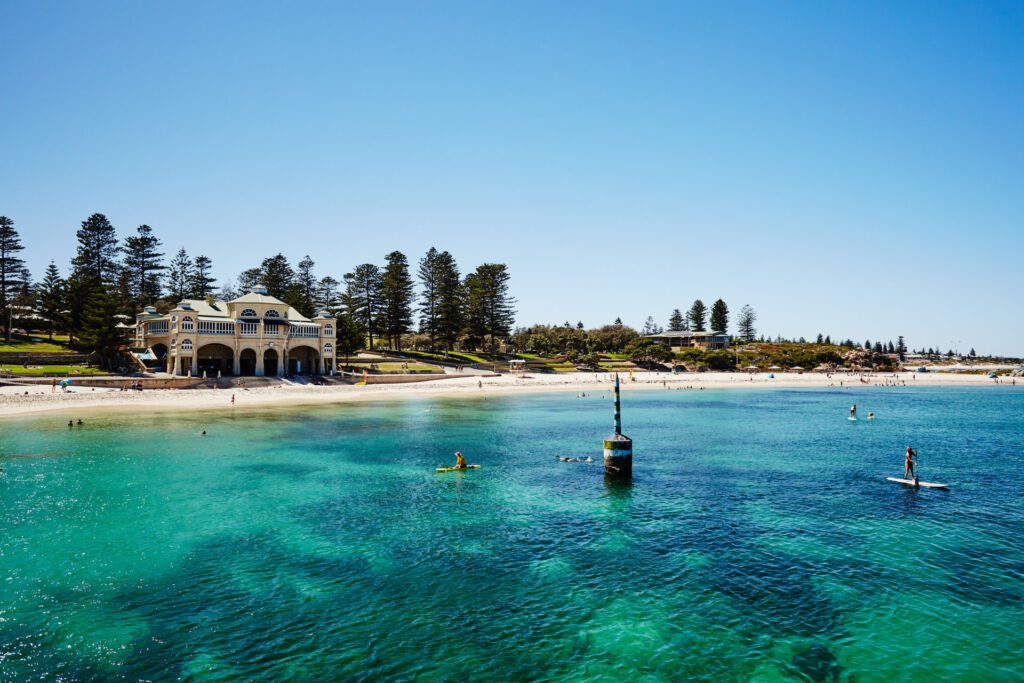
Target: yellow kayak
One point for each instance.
(456, 469)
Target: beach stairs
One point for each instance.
(137, 363)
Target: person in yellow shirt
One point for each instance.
(460, 462)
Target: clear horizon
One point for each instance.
(850, 171)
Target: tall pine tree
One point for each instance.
(94, 270)
(676, 322)
(362, 298)
(200, 281)
(304, 289)
(428, 277)
(277, 275)
(697, 316)
(396, 294)
(96, 259)
(13, 274)
(490, 310)
(100, 333)
(143, 266)
(50, 298)
(448, 308)
(179, 279)
(746, 324)
(328, 298)
(719, 317)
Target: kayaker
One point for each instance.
(908, 467)
(460, 462)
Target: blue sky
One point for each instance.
(847, 168)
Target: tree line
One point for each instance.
(110, 280)
(699, 319)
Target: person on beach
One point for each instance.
(908, 466)
(232, 399)
(460, 462)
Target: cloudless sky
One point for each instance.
(855, 169)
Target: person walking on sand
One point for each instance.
(232, 399)
(908, 465)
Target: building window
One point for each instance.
(186, 345)
(271, 313)
(328, 330)
(328, 349)
(249, 313)
(187, 324)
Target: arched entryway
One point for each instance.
(303, 360)
(216, 358)
(247, 363)
(270, 362)
(159, 350)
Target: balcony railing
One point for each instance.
(216, 327)
(158, 328)
(310, 331)
(248, 329)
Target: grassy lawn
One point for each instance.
(46, 370)
(453, 357)
(392, 367)
(33, 346)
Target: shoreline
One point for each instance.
(40, 400)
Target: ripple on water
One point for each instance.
(757, 542)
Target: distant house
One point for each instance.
(687, 339)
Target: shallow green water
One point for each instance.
(758, 541)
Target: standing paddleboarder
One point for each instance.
(908, 466)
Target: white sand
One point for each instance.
(14, 401)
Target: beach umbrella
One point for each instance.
(775, 367)
(751, 367)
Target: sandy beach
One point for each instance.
(23, 400)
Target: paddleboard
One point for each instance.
(852, 419)
(458, 469)
(921, 484)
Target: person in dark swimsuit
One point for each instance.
(908, 466)
(460, 462)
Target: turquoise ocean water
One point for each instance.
(758, 541)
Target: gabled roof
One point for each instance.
(258, 297)
(218, 309)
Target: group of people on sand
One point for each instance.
(71, 423)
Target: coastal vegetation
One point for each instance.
(109, 280)
(427, 310)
